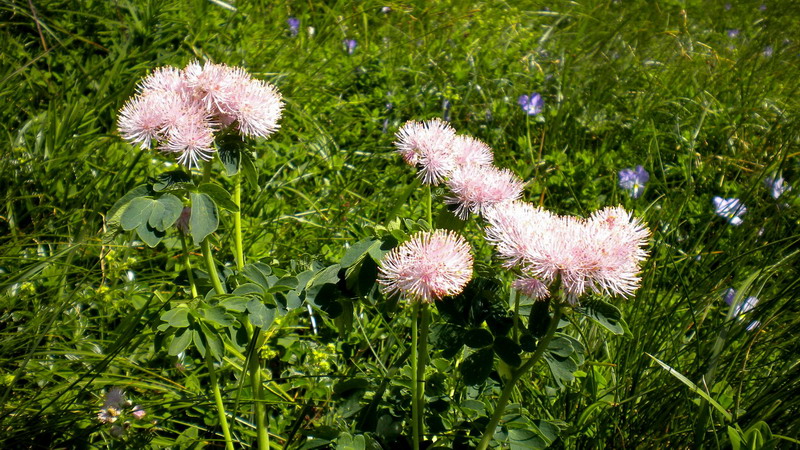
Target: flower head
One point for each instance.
(601, 254)
(350, 45)
(294, 25)
(531, 287)
(181, 110)
(729, 208)
(733, 33)
(476, 188)
(138, 412)
(777, 186)
(742, 307)
(112, 406)
(633, 180)
(532, 104)
(430, 266)
(427, 145)
(468, 151)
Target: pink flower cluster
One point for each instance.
(599, 254)
(430, 266)
(462, 162)
(181, 110)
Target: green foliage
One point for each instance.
(94, 292)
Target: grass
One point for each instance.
(659, 84)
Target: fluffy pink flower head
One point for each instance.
(427, 145)
(601, 254)
(470, 151)
(477, 188)
(430, 266)
(181, 110)
(532, 288)
(515, 229)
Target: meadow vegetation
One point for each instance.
(703, 94)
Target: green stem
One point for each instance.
(422, 361)
(188, 263)
(212, 269)
(260, 410)
(237, 220)
(223, 421)
(430, 206)
(516, 316)
(505, 396)
(414, 375)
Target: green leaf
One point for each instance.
(204, 219)
(180, 342)
(149, 235)
(237, 304)
(166, 211)
(477, 366)
(562, 368)
(478, 338)
(259, 273)
(229, 149)
(249, 169)
(356, 253)
(508, 351)
(169, 179)
(539, 319)
(560, 346)
(248, 288)
(604, 314)
(137, 212)
(220, 196)
(693, 387)
(176, 317)
(114, 214)
(218, 315)
(260, 315)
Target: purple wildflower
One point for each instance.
(768, 51)
(743, 307)
(777, 186)
(533, 104)
(733, 33)
(350, 45)
(730, 208)
(294, 25)
(633, 180)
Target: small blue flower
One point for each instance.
(294, 25)
(350, 45)
(533, 104)
(768, 50)
(742, 307)
(733, 33)
(763, 7)
(777, 186)
(633, 180)
(730, 208)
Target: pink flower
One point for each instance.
(256, 107)
(515, 228)
(181, 110)
(427, 145)
(192, 137)
(138, 412)
(430, 266)
(532, 288)
(601, 254)
(476, 188)
(470, 151)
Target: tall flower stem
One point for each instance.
(430, 206)
(422, 361)
(223, 421)
(237, 221)
(259, 410)
(188, 264)
(212, 268)
(415, 375)
(505, 395)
